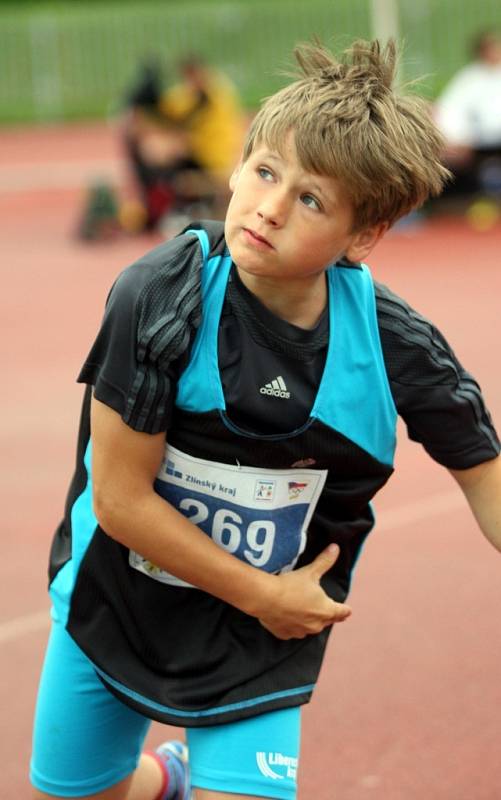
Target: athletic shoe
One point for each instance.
(174, 756)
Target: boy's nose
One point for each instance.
(274, 209)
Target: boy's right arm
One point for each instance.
(124, 466)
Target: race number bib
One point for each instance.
(260, 516)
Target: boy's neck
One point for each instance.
(301, 303)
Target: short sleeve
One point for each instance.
(151, 315)
(440, 402)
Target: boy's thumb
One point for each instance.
(325, 560)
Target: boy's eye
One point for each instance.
(310, 201)
(265, 173)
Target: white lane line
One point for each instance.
(21, 626)
(433, 505)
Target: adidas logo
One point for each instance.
(276, 388)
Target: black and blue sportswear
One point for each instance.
(185, 348)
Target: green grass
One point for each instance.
(64, 60)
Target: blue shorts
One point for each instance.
(86, 740)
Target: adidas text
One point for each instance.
(276, 388)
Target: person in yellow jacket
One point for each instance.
(207, 105)
(182, 143)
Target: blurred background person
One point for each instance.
(468, 112)
(182, 142)
(207, 104)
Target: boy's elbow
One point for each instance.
(111, 509)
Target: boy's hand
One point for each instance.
(301, 606)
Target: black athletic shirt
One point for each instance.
(223, 665)
(439, 401)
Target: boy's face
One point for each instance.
(286, 223)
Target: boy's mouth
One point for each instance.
(256, 239)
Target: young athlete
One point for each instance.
(240, 412)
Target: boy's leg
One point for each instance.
(85, 741)
(117, 792)
(146, 783)
(253, 758)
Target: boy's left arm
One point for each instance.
(482, 488)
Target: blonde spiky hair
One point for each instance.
(350, 123)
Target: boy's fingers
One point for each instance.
(324, 561)
(342, 612)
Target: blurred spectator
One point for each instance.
(207, 104)
(182, 141)
(468, 112)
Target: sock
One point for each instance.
(163, 793)
(171, 778)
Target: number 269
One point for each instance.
(226, 531)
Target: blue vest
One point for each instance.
(181, 656)
(354, 396)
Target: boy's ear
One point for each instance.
(234, 175)
(364, 241)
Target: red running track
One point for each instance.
(408, 702)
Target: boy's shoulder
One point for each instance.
(214, 229)
(172, 268)
(395, 313)
(416, 352)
